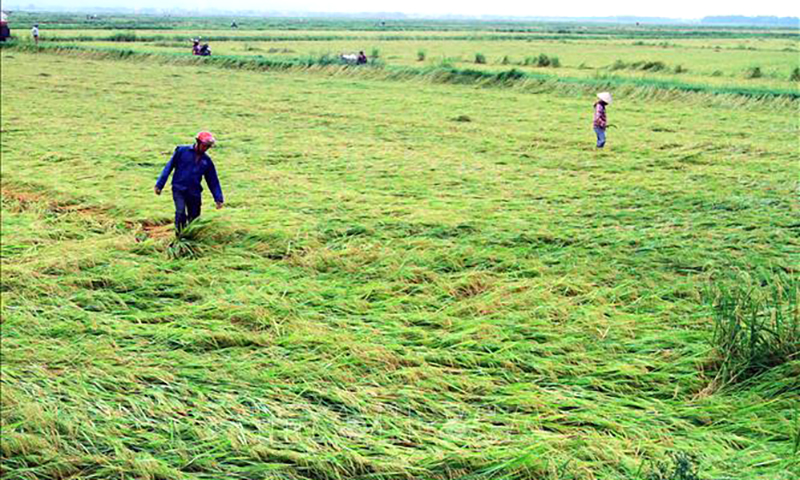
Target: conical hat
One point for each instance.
(605, 96)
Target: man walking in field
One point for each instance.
(35, 33)
(191, 164)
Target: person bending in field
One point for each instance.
(600, 119)
(191, 164)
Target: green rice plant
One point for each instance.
(683, 467)
(421, 55)
(510, 75)
(505, 60)
(649, 66)
(447, 63)
(555, 62)
(543, 60)
(375, 54)
(324, 59)
(170, 44)
(618, 65)
(754, 72)
(795, 75)
(480, 58)
(796, 433)
(122, 37)
(194, 239)
(756, 325)
(180, 247)
(680, 69)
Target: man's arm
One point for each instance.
(213, 184)
(162, 179)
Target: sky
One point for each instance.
(685, 9)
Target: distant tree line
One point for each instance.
(742, 20)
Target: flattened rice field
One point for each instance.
(409, 279)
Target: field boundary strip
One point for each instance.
(527, 81)
(132, 36)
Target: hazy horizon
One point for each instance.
(678, 9)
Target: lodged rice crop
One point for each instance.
(417, 274)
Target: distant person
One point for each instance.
(600, 120)
(191, 165)
(233, 24)
(5, 32)
(362, 58)
(202, 50)
(35, 33)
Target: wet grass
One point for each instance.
(390, 292)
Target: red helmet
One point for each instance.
(206, 137)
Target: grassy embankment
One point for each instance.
(447, 72)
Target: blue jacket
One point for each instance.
(189, 172)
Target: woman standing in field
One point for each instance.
(600, 120)
(191, 165)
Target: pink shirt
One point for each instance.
(600, 115)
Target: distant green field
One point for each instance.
(21, 19)
(727, 66)
(733, 58)
(410, 279)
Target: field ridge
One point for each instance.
(513, 77)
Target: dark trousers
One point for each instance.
(187, 208)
